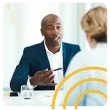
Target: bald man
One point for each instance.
(37, 64)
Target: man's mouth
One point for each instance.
(57, 39)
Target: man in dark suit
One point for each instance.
(35, 68)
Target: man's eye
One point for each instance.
(58, 27)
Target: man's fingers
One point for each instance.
(46, 74)
(52, 78)
(45, 70)
(44, 77)
(48, 80)
(39, 73)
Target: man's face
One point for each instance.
(52, 31)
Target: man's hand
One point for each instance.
(43, 78)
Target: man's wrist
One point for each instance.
(32, 81)
(29, 84)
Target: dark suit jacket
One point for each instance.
(35, 59)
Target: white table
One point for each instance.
(40, 98)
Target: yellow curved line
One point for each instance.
(70, 75)
(79, 83)
(87, 92)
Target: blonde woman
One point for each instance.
(94, 23)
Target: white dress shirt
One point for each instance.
(95, 57)
(56, 61)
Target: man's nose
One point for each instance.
(55, 31)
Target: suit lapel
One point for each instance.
(64, 58)
(43, 56)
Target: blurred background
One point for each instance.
(21, 25)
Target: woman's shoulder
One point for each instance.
(82, 54)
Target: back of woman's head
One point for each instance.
(94, 23)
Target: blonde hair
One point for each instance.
(94, 23)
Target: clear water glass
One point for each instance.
(25, 92)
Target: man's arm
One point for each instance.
(20, 74)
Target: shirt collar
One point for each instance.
(48, 51)
(99, 46)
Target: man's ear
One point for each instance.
(41, 30)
